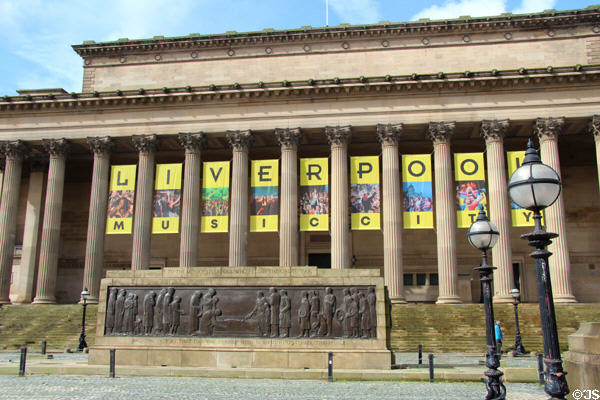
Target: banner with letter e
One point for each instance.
(519, 216)
(167, 198)
(469, 174)
(119, 215)
(418, 191)
(264, 196)
(314, 194)
(215, 197)
(365, 197)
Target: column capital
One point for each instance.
(548, 128)
(13, 149)
(145, 144)
(192, 141)
(240, 140)
(389, 133)
(440, 132)
(494, 130)
(288, 137)
(101, 145)
(38, 164)
(595, 126)
(338, 135)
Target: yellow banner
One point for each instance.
(519, 216)
(314, 194)
(418, 191)
(119, 216)
(264, 196)
(365, 198)
(215, 197)
(469, 174)
(167, 198)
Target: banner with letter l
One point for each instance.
(119, 215)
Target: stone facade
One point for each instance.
(469, 74)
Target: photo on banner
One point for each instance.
(365, 197)
(264, 196)
(314, 194)
(519, 216)
(119, 214)
(469, 175)
(167, 198)
(215, 197)
(417, 189)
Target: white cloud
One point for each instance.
(356, 11)
(532, 6)
(454, 9)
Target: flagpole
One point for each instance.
(326, 12)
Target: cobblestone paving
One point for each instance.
(75, 387)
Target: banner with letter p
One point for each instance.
(469, 174)
(215, 197)
(119, 216)
(365, 198)
(264, 196)
(418, 191)
(314, 194)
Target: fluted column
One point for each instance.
(445, 212)
(595, 129)
(547, 131)
(49, 247)
(190, 213)
(393, 267)
(240, 141)
(14, 152)
(23, 292)
(288, 222)
(94, 248)
(142, 220)
(493, 132)
(339, 137)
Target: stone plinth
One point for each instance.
(217, 349)
(582, 362)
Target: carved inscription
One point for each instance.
(275, 312)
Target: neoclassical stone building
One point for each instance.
(469, 85)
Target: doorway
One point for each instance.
(320, 260)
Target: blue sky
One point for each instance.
(36, 35)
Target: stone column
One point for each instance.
(49, 247)
(94, 248)
(192, 192)
(288, 222)
(388, 136)
(445, 212)
(595, 129)
(339, 137)
(547, 131)
(499, 211)
(240, 141)
(29, 254)
(14, 152)
(142, 219)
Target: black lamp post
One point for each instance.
(483, 235)
(82, 344)
(519, 350)
(535, 186)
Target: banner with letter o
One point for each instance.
(418, 191)
(469, 175)
(365, 197)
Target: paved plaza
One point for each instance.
(78, 387)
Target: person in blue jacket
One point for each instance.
(499, 337)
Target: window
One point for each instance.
(408, 279)
(421, 279)
(433, 279)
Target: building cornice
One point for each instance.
(393, 84)
(544, 20)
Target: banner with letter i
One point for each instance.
(264, 196)
(215, 197)
(418, 191)
(314, 194)
(519, 216)
(167, 198)
(469, 175)
(365, 198)
(119, 216)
